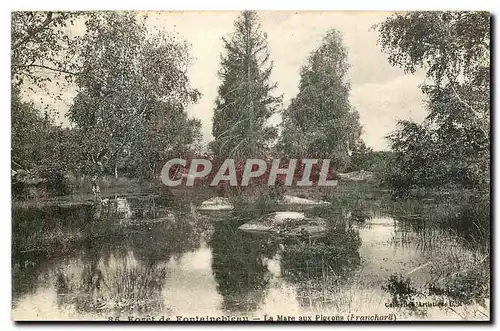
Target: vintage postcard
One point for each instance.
(258, 166)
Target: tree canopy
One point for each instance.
(133, 89)
(320, 120)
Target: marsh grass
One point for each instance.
(120, 285)
(255, 203)
(396, 295)
(461, 274)
(457, 273)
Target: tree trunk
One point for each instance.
(96, 189)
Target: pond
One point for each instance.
(159, 261)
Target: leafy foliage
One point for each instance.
(451, 147)
(41, 45)
(40, 149)
(133, 89)
(27, 133)
(245, 102)
(361, 157)
(320, 120)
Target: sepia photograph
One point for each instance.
(250, 166)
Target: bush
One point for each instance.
(57, 183)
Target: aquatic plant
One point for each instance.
(121, 285)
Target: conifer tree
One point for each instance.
(245, 101)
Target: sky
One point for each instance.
(382, 94)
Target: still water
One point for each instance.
(155, 261)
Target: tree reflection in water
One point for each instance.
(318, 266)
(238, 265)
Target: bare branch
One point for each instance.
(47, 68)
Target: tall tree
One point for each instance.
(452, 145)
(245, 101)
(133, 86)
(320, 119)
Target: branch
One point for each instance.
(232, 127)
(228, 140)
(462, 101)
(236, 147)
(33, 32)
(47, 68)
(453, 82)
